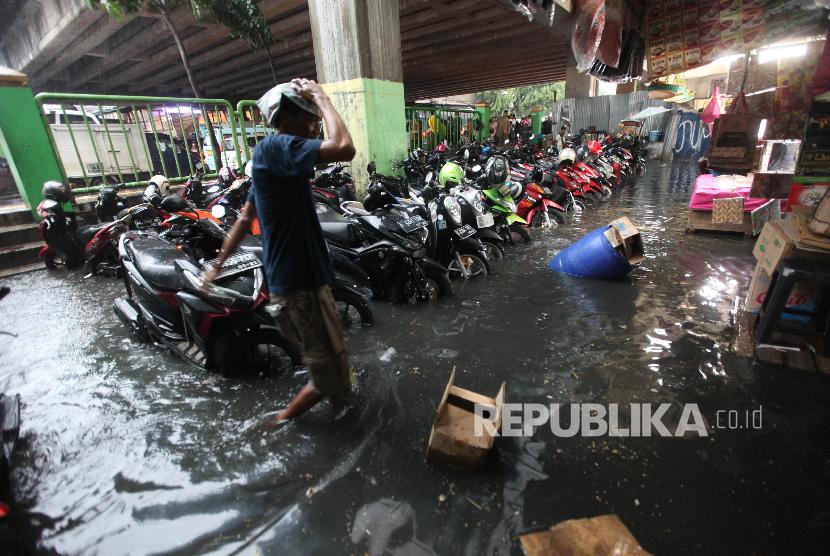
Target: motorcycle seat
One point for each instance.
(155, 260)
(340, 232)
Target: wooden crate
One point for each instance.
(702, 220)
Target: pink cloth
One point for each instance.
(708, 187)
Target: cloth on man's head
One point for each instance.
(269, 103)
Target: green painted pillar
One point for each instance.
(536, 123)
(357, 52)
(25, 140)
(483, 113)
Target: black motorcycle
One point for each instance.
(221, 326)
(452, 242)
(387, 246)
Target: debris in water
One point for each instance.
(442, 497)
(388, 355)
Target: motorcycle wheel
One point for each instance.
(590, 201)
(473, 264)
(493, 250)
(520, 234)
(433, 292)
(557, 218)
(259, 351)
(354, 310)
(443, 283)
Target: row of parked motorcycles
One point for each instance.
(407, 240)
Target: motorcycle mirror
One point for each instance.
(218, 211)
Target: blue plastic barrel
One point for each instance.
(655, 135)
(592, 257)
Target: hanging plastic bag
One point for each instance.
(610, 45)
(587, 33)
(712, 110)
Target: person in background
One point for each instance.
(295, 254)
(503, 128)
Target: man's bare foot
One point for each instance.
(305, 399)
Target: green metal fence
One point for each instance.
(107, 139)
(429, 125)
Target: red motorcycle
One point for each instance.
(538, 209)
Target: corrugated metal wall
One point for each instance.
(605, 112)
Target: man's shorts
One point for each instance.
(310, 319)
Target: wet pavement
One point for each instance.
(128, 450)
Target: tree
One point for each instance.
(242, 19)
(520, 100)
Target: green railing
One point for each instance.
(429, 125)
(108, 139)
(247, 113)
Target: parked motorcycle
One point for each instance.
(221, 326)
(387, 246)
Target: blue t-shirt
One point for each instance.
(294, 251)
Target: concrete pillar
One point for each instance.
(357, 52)
(25, 140)
(577, 85)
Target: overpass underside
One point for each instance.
(446, 47)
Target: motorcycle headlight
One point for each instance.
(454, 210)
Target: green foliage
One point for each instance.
(520, 100)
(242, 18)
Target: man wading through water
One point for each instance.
(295, 255)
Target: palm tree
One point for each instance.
(242, 18)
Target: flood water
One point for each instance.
(127, 450)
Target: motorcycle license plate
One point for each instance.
(237, 264)
(464, 231)
(484, 220)
(412, 223)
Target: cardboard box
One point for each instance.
(773, 245)
(452, 439)
(625, 238)
(604, 534)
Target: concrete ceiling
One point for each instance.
(447, 47)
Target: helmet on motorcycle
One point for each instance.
(567, 154)
(56, 191)
(418, 156)
(515, 189)
(497, 170)
(450, 174)
(160, 183)
(595, 147)
(441, 148)
(486, 151)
